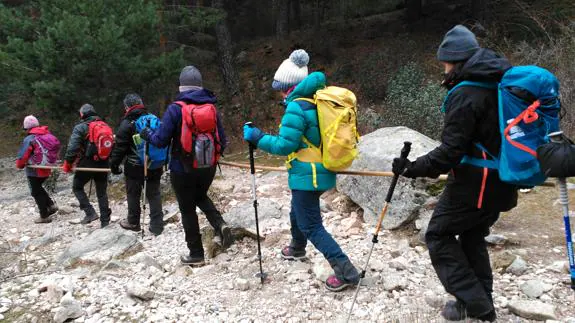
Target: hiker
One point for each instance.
(84, 151)
(125, 147)
(307, 181)
(39, 147)
(473, 196)
(194, 153)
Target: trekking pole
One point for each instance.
(404, 153)
(564, 201)
(261, 274)
(90, 190)
(143, 219)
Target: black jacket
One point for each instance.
(78, 144)
(471, 116)
(124, 147)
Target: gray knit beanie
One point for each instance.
(87, 109)
(291, 71)
(132, 99)
(459, 44)
(190, 76)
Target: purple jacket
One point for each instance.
(171, 127)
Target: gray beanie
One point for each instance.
(87, 109)
(190, 76)
(132, 99)
(459, 44)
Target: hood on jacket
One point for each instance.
(135, 111)
(89, 116)
(197, 96)
(484, 66)
(307, 88)
(40, 130)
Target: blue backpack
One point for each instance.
(529, 110)
(156, 156)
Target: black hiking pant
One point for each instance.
(134, 187)
(101, 183)
(40, 195)
(192, 190)
(462, 264)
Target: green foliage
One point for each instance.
(373, 76)
(60, 54)
(413, 102)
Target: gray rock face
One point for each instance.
(535, 288)
(532, 310)
(391, 283)
(100, 246)
(377, 151)
(242, 215)
(141, 292)
(518, 267)
(69, 309)
(496, 239)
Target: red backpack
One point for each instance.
(200, 139)
(101, 137)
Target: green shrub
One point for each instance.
(414, 102)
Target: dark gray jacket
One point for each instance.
(78, 144)
(125, 150)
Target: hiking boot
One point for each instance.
(226, 236)
(456, 311)
(453, 311)
(91, 216)
(193, 261)
(335, 285)
(52, 209)
(128, 226)
(155, 232)
(289, 253)
(43, 220)
(104, 224)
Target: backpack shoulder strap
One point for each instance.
(485, 85)
(311, 103)
(181, 103)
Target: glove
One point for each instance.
(67, 167)
(252, 134)
(399, 165)
(116, 169)
(146, 133)
(137, 138)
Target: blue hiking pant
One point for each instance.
(307, 224)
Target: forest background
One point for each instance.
(56, 55)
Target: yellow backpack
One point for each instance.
(337, 118)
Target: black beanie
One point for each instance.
(459, 44)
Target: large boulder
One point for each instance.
(376, 152)
(100, 246)
(271, 214)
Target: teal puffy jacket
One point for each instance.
(300, 120)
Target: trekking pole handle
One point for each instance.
(252, 148)
(404, 154)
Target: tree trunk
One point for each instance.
(414, 8)
(282, 20)
(226, 53)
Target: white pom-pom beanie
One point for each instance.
(291, 71)
(30, 122)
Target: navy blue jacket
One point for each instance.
(171, 127)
